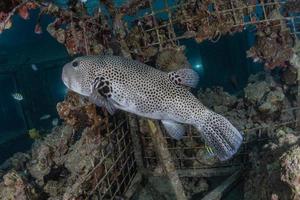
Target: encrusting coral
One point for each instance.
(10, 7)
(78, 112)
(274, 47)
(290, 169)
(16, 186)
(275, 167)
(53, 171)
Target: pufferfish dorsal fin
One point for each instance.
(101, 94)
(185, 76)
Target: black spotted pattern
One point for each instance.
(175, 78)
(140, 88)
(103, 87)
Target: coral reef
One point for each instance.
(84, 158)
(266, 96)
(17, 161)
(274, 162)
(195, 185)
(273, 168)
(274, 46)
(87, 34)
(291, 6)
(151, 36)
(160, 188)
(53, 171)
(15, 186)
(207, 24)
(78, 112)
(79, 32)
(289, 76)
(171, 59)
(10, 7)
(290, 169)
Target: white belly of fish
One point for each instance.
(132, 109)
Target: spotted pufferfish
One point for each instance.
(119, 83)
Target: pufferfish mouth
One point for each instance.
(64, 77)
(72, 81)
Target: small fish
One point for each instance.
(34, 134)
(38, 29)
(17, 96)
(34, 67)
(8, 24)
(44, 117)
(119, 83)
(23, 12)
(234, 81)
(209, 150)
(256, 59)
(55, 122)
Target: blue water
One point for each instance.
(219, 63)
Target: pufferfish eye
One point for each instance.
(75, 64)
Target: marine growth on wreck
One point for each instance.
(148, 99)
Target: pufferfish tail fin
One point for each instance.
(220, 135)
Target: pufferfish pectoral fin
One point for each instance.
(185, 76)
(174, 129)
(102, 102)
(101, 94)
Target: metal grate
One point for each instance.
(186, 153)
(117, 162)
(209, 19)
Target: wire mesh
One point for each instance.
(191, 153)
(117, 162)
(209, 19)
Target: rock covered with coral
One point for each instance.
(17, 161)
(274, 158)
(290, 169)
(66, 164)
(15, 186)
(9, 7)
(273, 47)
(266, 95)
(62, 166)
(171, 59)
(275, 167)
(50, 154)
(78, 112)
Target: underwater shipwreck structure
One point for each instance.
(93, 155)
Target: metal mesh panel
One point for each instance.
(210, 19)
(187, 153)
(118, 162)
